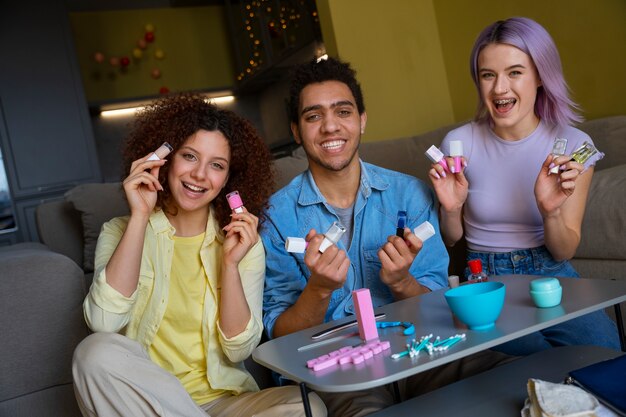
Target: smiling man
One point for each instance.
(306, 289)
(328, 118)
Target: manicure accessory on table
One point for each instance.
(409, 328)
(364, 310)
(438, 345)
(340, 327)
(348, 354)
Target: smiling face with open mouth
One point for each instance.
(508, 86)
(329, 126)
(199, 170)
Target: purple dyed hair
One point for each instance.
(553, 103)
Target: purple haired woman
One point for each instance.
(518, 204)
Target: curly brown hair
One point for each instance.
(175, 118)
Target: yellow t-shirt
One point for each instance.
(178, 346)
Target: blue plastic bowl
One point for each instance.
(477, 305)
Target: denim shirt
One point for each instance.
(300, 207)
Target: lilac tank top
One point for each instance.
(501, 213)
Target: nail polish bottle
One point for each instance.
(456, 152)
(477, 273)
(558, 149)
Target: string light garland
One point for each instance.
(280, 23)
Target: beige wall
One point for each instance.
(397, 54)
(412, 55)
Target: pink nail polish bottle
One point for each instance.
(456, 152)
(235, 202)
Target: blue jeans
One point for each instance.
(592, 329)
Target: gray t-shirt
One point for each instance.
(346, 216)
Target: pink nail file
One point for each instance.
(365, 314)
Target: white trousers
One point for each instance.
(114, 376)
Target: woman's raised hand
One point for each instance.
(552, 190)
(451, 189)
(142, 184)
(241, 236)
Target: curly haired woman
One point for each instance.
(178, 284)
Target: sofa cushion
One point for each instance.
(605, 216)
(97, 204)
(290, 166)
(609, 136)
(61, 229)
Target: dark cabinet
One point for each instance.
(45, 130)
(265, 34)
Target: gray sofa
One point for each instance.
(41, 295)
(45, 285)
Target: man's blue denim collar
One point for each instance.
(310, 194)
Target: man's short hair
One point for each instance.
(317, 71)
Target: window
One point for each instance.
(7, 218)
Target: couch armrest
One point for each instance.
(41, 293)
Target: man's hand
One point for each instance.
(329, 270)
(396, 257)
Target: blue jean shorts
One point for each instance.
(535, 261)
